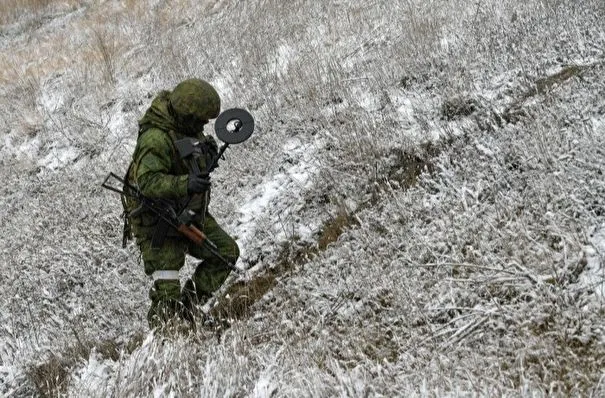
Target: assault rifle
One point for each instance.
(232, 127)
(165, 211)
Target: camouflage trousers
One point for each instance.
(167, 298)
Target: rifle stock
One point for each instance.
(194, 234)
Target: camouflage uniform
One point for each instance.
(158, 172)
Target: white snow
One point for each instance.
(460, 285)
(592, 278)
(266, 200)
(264, 386)
(91, 379)
(281, 60)
(59, 157)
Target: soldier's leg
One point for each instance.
(163, 265)
(211, 273)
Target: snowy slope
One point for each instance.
(420, 210)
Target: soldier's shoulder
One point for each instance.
(153, 137)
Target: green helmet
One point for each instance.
(195, 98)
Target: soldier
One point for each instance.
(159, 172)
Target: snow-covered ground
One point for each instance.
(420, 210)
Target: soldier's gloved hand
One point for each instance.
(211, 145)
(211, 151)
(198, 183)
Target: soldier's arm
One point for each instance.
(155, 159)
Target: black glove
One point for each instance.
(211, 146)
(211, 151)
(198, 183)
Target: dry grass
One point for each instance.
(237, 301)
(444, 267)
(51, 377)
(12, 10)
(514, 112)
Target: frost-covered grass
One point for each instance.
(420, 209)
(31, 11)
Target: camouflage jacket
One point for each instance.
(157, 169)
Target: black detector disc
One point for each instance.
(234, 126)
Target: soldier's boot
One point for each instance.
(192, 300)
(207, 278)
(166, 306)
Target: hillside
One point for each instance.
(420, 209)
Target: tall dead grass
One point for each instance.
(12, 10)
(359, 80)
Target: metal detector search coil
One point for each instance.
(234, 126)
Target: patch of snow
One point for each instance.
(59, 157)
(263, 387)
(281, 60)
(368, 101)
(267, 199)
(405, 109)
(484, 150)
(122, 127)
(7, 148)
(29, 148)
(8, 376)
(593, 276)
(223, 86)
(92, 378)
(445, 43)
(53, 95)
(598, 125)
(160, 391)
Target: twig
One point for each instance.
(440, 332)
(353, 79)
(465, 331)
(526, 273)
(462, 309)
(363, 44)
(466, 265)
(462, 280)
(596, 389)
